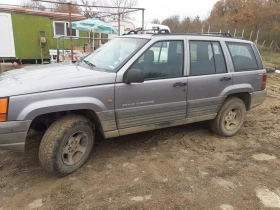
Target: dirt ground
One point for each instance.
(185, 167)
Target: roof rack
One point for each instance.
(213, 34)
(206, 34)
(154, 30)
(167, 32)
(218, 34)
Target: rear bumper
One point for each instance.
(257, 98)
(13, 135)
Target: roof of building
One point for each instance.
(55, 15)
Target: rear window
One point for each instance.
(243, 56)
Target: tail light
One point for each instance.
(264, 78)
(3, 109)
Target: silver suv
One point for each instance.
(132, 84)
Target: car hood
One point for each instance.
(51, 77)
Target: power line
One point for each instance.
(82, 5)
(49, 8)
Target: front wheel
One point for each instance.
(66, 145)
(230, 117)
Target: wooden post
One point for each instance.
(270, 45)
(202, 29)
(209, 29)
(91, 41)
(234, 32)
(257, 37)
(242, 33)
(262, 44)
(70, 22)
(251, 35)
(277, 47)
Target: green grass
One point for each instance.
(271, 59)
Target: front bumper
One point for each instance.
(13, 135)
(257, 98)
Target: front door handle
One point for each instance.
(225, 79)
(179, 84)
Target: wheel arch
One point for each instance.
(244, 96)
(43, 121)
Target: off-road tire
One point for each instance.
(218, 124)
(54, 140)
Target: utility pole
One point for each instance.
(70, 22)
(119, 24)
(143, 13)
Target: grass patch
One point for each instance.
(271, 59)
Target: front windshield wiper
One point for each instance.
(91, 65)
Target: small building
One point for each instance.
(29, 35)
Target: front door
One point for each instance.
(161, 99)
(209, 80)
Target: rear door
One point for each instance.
(7, 48)
(209, 79)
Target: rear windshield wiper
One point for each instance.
(91, 65)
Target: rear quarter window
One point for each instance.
(243, 56)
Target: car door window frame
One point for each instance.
(162, 41)
(222, 51)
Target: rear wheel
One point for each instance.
(66, 145)
(230, 117)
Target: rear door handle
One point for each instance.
(225, 79)
(179, 84)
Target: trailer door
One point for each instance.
(7, 49)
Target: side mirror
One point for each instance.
(134, 76)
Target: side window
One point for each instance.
(206, 58)
(243, 57)
(202, 62)
(162, 60)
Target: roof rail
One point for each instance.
(218, 33)
(206, 34)
(154, 30)
(167, 32)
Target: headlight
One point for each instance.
(3, 109)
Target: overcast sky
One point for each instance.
(162, 9)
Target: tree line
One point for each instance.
(253, 19)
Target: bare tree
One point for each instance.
(123, 6)
(33, 5)
(173, 22)
(63, 8)
(87, 11)
(155, 21)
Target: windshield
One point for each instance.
(114, 53)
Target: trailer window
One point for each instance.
(61, 28)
